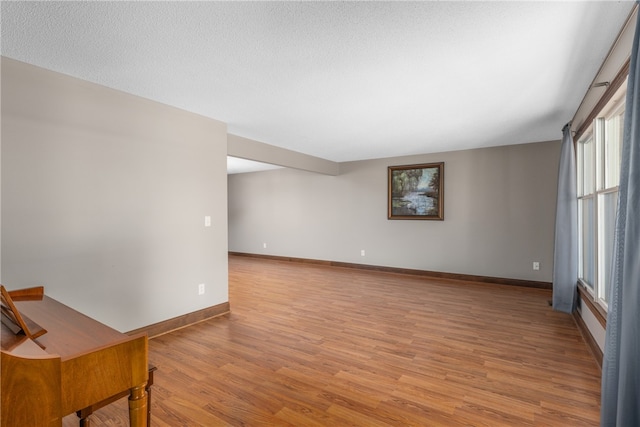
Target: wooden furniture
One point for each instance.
(30, 389)
(77, 363)
(12, 318)
(85, 413)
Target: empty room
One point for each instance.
(308, 213)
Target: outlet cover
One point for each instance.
(201, 289)
(536, 265)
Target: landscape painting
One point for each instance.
(416, 191)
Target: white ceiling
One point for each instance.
(337, 80)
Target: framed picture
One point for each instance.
(416, 191)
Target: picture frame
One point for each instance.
(416, 192)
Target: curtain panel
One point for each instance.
(565, 255)
(621, 364)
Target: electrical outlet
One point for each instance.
(536, 265)
(207, 221)
(362, 252)
(264, 245)
(201, 289)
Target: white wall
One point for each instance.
(104, 196)
(499, 214)
(595, 328)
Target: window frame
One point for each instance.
(595, 133)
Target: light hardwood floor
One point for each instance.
(309, 345)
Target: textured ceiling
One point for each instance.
(338, 80)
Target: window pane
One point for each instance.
(587, 166)
(607, 204)
(579, 167)
(613, 148)
(587, 241)
(600, 140)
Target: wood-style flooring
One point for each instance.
(311, 345)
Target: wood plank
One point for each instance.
(316, 345)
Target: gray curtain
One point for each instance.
(565, 256)
(621, 365)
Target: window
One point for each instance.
(598, 160)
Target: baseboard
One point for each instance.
(183, 321)
(588, 338)
(424, 273)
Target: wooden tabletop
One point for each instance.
(70, 333)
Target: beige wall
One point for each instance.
(104, 196)
(499, 214)
(249, 149)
